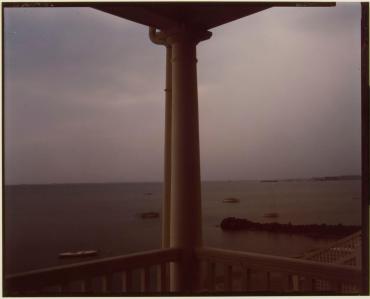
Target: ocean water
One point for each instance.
(40, 221)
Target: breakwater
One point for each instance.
(313, 230)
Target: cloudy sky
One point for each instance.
(279, 96)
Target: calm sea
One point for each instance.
(43, 220)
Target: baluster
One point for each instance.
(326, 285)
(165, 268)
(228, 277)
(129, 284)
(295, 283)
(107, 283)
(211, 276)
(268, 281)
(87, 285)
(314, 283)
(103, 281)
(287, 282)
(127, 281)
(162, 277)
(202, 283)
(145, 279)
(246, 278)
(343, 252)
(122, 282)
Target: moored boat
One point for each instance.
(148, 215)
(81, 253)
(231, 200)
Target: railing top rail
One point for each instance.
(56, 275)
(282, 264)
(317, 252)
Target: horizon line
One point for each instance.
(156, 182)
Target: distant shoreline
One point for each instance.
(324, 178)
(319, 179)
(311, 230)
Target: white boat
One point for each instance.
(81, 253)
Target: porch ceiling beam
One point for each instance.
(139, 14)
(164, 15)
(201, 15)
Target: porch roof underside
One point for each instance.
(201, 15)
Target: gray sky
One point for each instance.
(279, 96)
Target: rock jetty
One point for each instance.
(313, 230)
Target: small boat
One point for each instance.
(81, 253)
(231, 200)
(149, 215)
(271, 215)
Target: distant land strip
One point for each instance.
(312, 230)
(324, 178)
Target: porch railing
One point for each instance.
(142, 272)
(221, 271)
(346, 251)
(226, 270)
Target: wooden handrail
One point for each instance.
(265, 262)
(54, 276)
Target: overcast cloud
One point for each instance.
(279, 96)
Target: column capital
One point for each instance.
(178, 34)
(158, 38)
(188, 34)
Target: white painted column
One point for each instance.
(186, 223)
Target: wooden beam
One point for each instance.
(139, 15)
